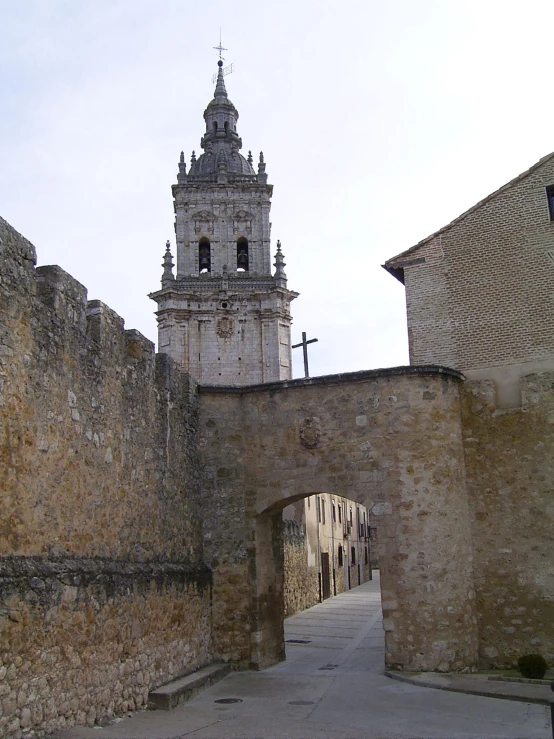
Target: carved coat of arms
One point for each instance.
(310, 432)
(224, 327)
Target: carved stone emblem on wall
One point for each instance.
(310, 432)
(203, 221)
(224, 327)
(242, 222)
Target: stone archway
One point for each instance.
(390, 439)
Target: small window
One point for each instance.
(340, 512)
(340, 556)
(322, 511)
(318, 506)
(353, 555)
(550, 198)
(334, 512)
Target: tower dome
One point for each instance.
(221, 142)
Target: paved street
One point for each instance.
(332, 687)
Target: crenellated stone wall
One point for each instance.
(103, 590)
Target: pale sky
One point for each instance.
(380, 122)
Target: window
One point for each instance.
(334, 512)
(353, 555)
(340, 556)
(242, 255)
(340, 512)
(204, 256)
(550, 198)
(318, 506)
(322, 511)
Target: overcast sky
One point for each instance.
(380, 122)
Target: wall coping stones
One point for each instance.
(360, 376)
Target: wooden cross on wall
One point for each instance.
(304, 345)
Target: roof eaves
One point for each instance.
(390, 264)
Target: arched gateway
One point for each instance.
(390, 439)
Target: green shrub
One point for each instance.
(532, 666)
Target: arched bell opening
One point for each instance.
(226, 127)
(242, 255)
(204, 256)
(214, 126)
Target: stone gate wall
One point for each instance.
(509, 456)
(388, 438)
(103, 591)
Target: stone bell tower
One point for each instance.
(224, 317)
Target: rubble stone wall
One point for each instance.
(103, 591)
(301, 579)
(510, 467)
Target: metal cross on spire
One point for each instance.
(304, 345)
(229, 68)
(220, 48)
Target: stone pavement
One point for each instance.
(332, 686)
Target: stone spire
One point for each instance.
(280, 276)
(167, 264)
(182, 174)
(220, 91)
(221, 160)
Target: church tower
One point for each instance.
(224, 317)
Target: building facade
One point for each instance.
(225, 316)
(479, 298)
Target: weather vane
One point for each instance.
(220, 48)
(226, 70)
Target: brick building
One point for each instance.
(479, 290)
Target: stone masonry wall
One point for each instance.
(103, 593)
(510, 468)
(301, 581)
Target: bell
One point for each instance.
(242, 259)
(204, 261)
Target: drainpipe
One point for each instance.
(318, 518)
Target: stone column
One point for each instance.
(268, 604)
